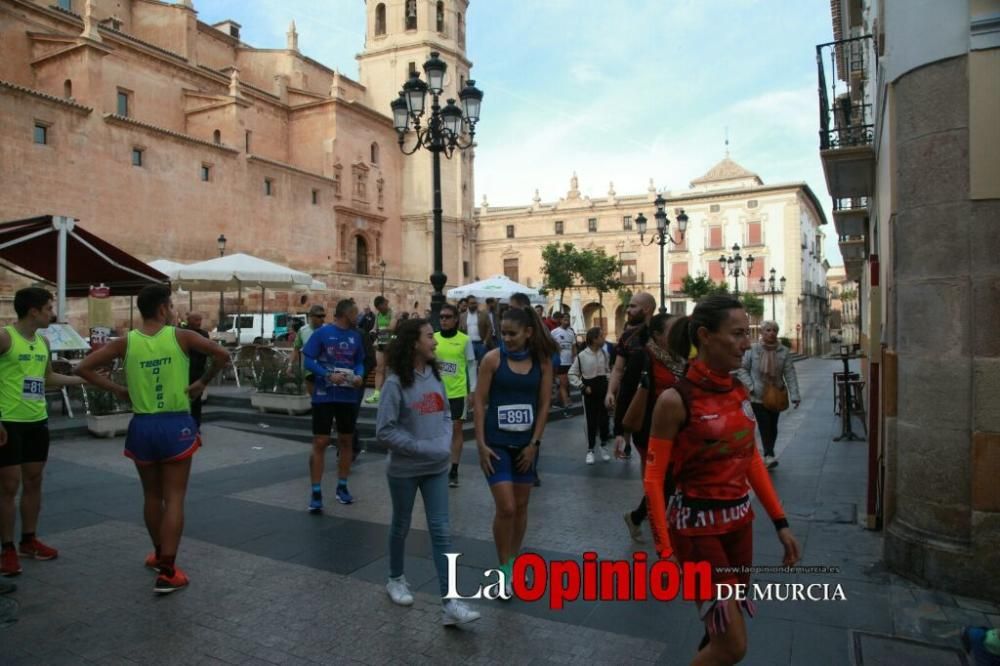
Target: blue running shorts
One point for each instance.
(505, 470)
(159, 438)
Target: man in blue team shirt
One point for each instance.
(335, 354)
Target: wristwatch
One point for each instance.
(537, 443)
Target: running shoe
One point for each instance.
(35, 549)
(316, 503)
(455, 612)
(9, 564)
(399, 591)
(590, 457)
(770, 462)
(344, 496)
(166, 584)
(373, 398)
(7, 588)
(453, 479)
(634, 530)
(605, 456)
(152, 562)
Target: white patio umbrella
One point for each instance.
(576, 320)
(170, 268)
(235, 271)
(499, 287)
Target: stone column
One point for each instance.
(944, 446)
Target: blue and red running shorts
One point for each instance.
(159, 438)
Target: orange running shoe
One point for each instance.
(153, 562)
(167, 584)
(38, 550)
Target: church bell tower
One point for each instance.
(399, 38)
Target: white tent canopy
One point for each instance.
(167, 267)
(499, 287)
(235, 271)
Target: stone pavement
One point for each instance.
(274, 585)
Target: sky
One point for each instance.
(620, 91)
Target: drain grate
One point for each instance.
(8, 612)
(881, 650)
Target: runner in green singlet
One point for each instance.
(25, 371)
(455, 358)
(162, 436)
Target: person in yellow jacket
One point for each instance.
(162, 436)
(457, 362)
(25, 371)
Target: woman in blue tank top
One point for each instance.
(511, 407)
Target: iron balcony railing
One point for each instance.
(845, 109)
(856, 203)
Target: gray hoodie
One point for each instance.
(415, 425)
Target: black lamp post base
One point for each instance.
(438, 299)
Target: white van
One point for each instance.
(272, 326)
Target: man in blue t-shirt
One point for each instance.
(335, 354)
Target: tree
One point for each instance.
(753, 304)
(559, 266)
(697, 288)
(599, 272)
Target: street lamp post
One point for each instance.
(733, 265)
(768, 287)
(444, 133)
(381, 265)
(221, 242)
(661, 238)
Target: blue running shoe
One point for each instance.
(316, 503)
(344, 496)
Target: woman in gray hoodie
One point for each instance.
(414, 423)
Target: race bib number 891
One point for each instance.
(515, 418)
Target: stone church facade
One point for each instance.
(160, 132)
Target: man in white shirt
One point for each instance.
(565, 338)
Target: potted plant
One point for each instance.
(280, 389)
(107, 414)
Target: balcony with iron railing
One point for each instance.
(846, 119)
(850, 216)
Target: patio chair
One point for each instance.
(244, 362)
(62, 367)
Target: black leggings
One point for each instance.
(597, 413)
(767, 423)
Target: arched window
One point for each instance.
(380, 19)
(440, 16)
(361, 256)
(217, 136)
(411, 14)
(67, 89)
(374, 153)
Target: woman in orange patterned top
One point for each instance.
(704, 432)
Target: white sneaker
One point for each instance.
(605, 456)
(399, 591)
(590, 457)
(770, 462)
(455, 612)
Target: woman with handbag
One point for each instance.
(769, 375)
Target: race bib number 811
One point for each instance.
(515, 418)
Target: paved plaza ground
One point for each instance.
(272, 584)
